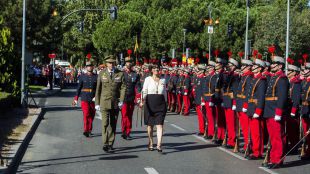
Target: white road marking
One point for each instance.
(267, 170)
(46, 103)
(178, 127)
(150, 170)
(202, 139)
(232, 153)
(166, 121)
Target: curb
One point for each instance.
(19, 149)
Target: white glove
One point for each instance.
(173, 91)
(277, 118)
(203, 103)
(120, 104)
(75, 102)
(93, 99)
(222, 104)
(138, 101)
(179, 92)
(211, 104)
(255, 115)
(292, 114)
(234, 107)
(185, 93)
(97, 107)
(244, 109)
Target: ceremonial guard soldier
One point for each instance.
(219, 111)
(256, 102)
(305, 110)
(198, 95)
(132, 82)
(208, 97)
(240, 104)
(294, 98)
(276, 99)
(86, 90)
(179, 85)
(266, 71)
(172, 90)
(230, 83)
(110, 94)
(186, 89)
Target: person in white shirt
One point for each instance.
(155, 108)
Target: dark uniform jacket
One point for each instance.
(230, 84)
(276, 96)
(179, 84)
(171, 84)
(294, 96)
(305, 98)
(109, 90)
(218, 85)
(198, 89)
(186, 87)
(132, 81)
(86, 87)
(256, 95)
(241, 92)
(208, 87)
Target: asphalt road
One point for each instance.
(58, 146)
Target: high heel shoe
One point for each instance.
(150, 148)
(159, 150)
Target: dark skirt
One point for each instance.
(154, 109)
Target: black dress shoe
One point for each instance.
(274, 166)
(129, 137)
(111, 149)
(218, 142)
(252, 157)
(86, 134)
(200, 134)
(124, 136)
(159, 150)
(105, 148)
(228, 146)
(305, 157)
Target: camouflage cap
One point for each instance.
(110, 59)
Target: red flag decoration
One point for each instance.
(290, 61)
(229, 53)
(241, 54)
(88, 56)
(217, 52)
(52, 55)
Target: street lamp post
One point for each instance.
(23, 92)
(246, 29)
(184, 40)
(287, 33)
(210, 18)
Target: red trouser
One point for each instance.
(220, 119)
(277, 139)
(256, 137)
(210, 117)
(306, 126)
(186, 104)
(89, 111)
(244, 123)
(201, 120)
(127, 111)
(179, 98)
(292, 128)
(231, 126)
(173, 98)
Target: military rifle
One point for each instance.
(237, 143)
(248, 147)
(267, 157)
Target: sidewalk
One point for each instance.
(17, 131)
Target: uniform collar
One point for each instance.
(247, 73)
(295, 79)
(279, 73)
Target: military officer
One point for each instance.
(198, 94)
(132, 81)
(240, 104)
(208, 98)
(110, 94)
(305, 108)
(86, 90)
(171, 90)
(294, 96)
(186, 89)
(179, 91)
(230, 80)
(256, 102)
(276, 98)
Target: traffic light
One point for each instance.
(229, 30)
(113, 12)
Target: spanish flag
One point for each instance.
(184, 59)
(136, 45)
